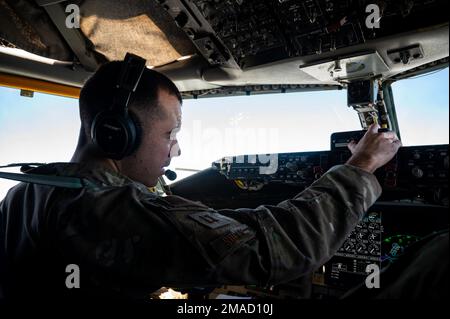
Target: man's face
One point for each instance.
(158, 144)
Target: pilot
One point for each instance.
(123, 241)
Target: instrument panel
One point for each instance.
(417, 172)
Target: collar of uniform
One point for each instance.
(90, 171)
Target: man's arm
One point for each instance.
(273, 244)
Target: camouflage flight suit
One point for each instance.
(127, 240)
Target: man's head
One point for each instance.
(156, 108)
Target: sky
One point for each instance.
(45, 128)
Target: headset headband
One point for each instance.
(128, 81)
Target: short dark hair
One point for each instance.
(99, 90)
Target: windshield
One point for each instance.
(422, 105)
(265, 123)
(41, 129)
(45, 128)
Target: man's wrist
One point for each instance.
(363, 164)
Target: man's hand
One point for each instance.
(374, 149)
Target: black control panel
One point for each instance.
(254, 32)
(386, 233)
(362, 248)
(365, 240)
(425, 165)
(416, 172)
(292, 168)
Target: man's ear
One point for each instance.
(138, 125)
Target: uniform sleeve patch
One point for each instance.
(232, 240)
(210, 220)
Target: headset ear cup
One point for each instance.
(113, 134)
(117, 132)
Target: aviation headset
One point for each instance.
(116, 131)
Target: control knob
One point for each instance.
(417, 172)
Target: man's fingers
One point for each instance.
(374, 128)
(397, 142)
(351, 146)
(390, 135)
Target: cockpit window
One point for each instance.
(266, 123)
(422, 105)
(40, 129)
(45, 128)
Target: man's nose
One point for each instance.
(175, 149)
